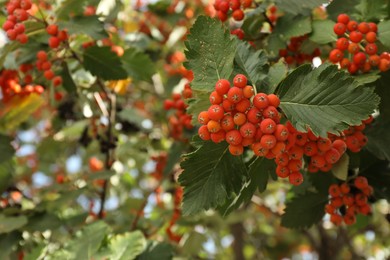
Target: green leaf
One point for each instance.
(88, 243)
(378, 135)
(340, 169)
(210, 53)
(89, 25)
(8, 243)
(371, 10)
(104, 63)
(138, 65)
(383, 90)
(6, 149)
(198, 104)
(6, 170)
(6, 50)
(174, 154)
(253, 23)
(384, 32)
(157, 251)
(325, 99)
(211, 174)
(127, 246)
(367, 78)
(67, 80)
(260, 170)
(277, 72)
(378, 176)
(253, 63)
(340, 7)
(292, 26)
(299, 6)
(321, 181)
(37, 252)
(43, 221)
(305, 210)
(323, 32)
(70, 7)
(8, 224)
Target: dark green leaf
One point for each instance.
(8, 243)
(339, 7)
(378, 176)
(67, 80)
(363, 79)
(277, 72)
(383, 90)
(371, 10)
(210, 53)
(305, 210)
(6, 170)
(292, 26)
(299, 6)
(378, 135)
(42, 222)
(253, 63)
(253, 23)
(325, 99)
(157, 251)
(138, 65)
(89, 25)
(6, 149)
(211, 174)
(71, 7)
(104, 63)
(323, 32)
(199, 103)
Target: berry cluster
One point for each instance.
(238, 32)
(240, 120)
(43, 64)
(174, 66)
(271, 14)
(17, 13)
(293, 54)
(161, 161)
(56, 36)
(180, 120)
(349, 199)
(358, 40)
(178, 196)
(11, 86)
(236, 7)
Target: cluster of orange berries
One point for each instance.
(357, 40)
(161, 161)
(174, 66)
(178, 196)
(180, 120)
(293, 54)
(11, 86)
(43, 64)
(349, 199)
(235, 6)
(242, 118)
(17, 13)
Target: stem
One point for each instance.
(107, 165)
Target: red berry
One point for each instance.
(215, 112)
(227, 123)
(294, 165)
(235, 94)
(363, 27)
(273, 100)
(235, 4)
(52, 29)
(373, 27)
(260, 101)
(42, 55)
(356, 36)
(248, 130)
(239, 118)
(340, 146)
(268, 126)
(384, 65)
(236, 150)
(62, 35)
(240, 81)
(222, 86)
(218, 137)
(204, 133)
(281, 133)
(243, 105)
(359, 58)
(238, 15)
(248, 91)
(336, 55)
(57, 80)
(213, 126)
(371, 48)
(228, 105)
(19, 28)
(339, 28)
(25, 4)
(295, 178)
(49, 74)
(12, 34)
(215, 98)
(8, 25)
(352, 26)
(203, 117)
(343, 18)
(342, 44)
(344, 63)
(268, 141)
(233, 137)
(54, 42)
(22, 38)
(254, 115)
(353, 48)
(361, 182)
(282, 171)
(371, 37)
(332, 156)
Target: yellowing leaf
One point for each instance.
(17, 110)
(120, 86)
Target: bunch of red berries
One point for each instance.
(10, 86)
(57, 36)
(43, 64)
(293, 54)
(242, 118)
(349, 199)
(236, 7)
(271, 13)
(17, 13)
(180, 120)
(357, 40)
(161, 161)
(238, 32)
